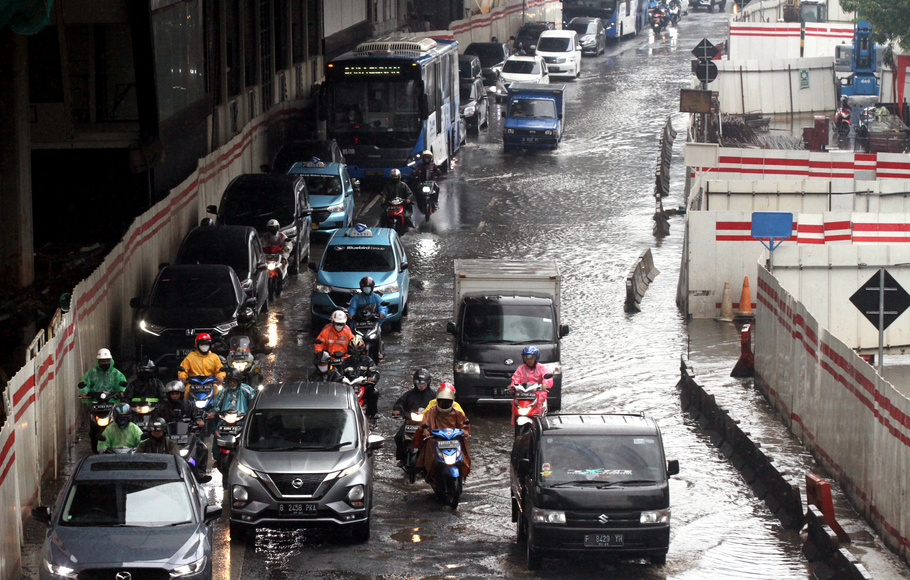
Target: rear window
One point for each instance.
(130, 466)
(254, 206)
(521, 67)
(213, 251)
(488, 54)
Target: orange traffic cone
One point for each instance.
(726, 305)
(745, 303)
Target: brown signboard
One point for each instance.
(695, 101)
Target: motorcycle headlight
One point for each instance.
(469, 111)
(60, 570)
(240, 365)
(524, 411)
(386, 288)
(417, 417)
(655, 517)
(468, 368)
(230, 418)
(201, 404)
(184, 452)
(540, 516)
(150, 328)
(187, 569)
(273, 265)
(104, 421)
(336, 208)
(450, 459)
(143, 410)
(322, 289)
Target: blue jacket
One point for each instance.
(237, 399)
(359, 299)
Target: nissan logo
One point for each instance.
(123, 575)
(509, 361)
(603, 518)
(297, 483)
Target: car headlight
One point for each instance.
(350, 470)
(655, 517)
(540, 516)
(322, 289)
(386, 288)
(548, 132)
(239, 493)
(469, 111)
(247, 470)
(60, 570)
(191, 568)
(355, 496)
(467, 368)
(225, 327)
(150, 328)
(335, 208)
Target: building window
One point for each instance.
(251, 64)
(177, 34)
(282, 48)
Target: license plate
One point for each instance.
(502, 392)
(603, 540)
(410, 429)
(373, 172)
(529, 139)
(232, 430)
(184, 351)
(297, 509)
(448, 445)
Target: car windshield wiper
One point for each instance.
(338, 446)
(626, 482)
(577, 482)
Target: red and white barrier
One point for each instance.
(767, 40)
(505, 20)
(854, 422)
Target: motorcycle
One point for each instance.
(359, 384)
(278, 270)
(673, 12)
(842, 121)
(447, 480)
(118, 450)
(411, 424)
(226, 434)
(240, 357)
(142, 410)
(526, 403)
(202, 390)
(192, 448)
(396, 214)
(367, 325)
(102, 404)
(427, 198)
(658, 19)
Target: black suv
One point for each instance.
(529, 33)
(254, 199)
(234, 246)
(593, 484)
(492, 56)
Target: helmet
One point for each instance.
(103, 353)
(339, 317)
(158, 424)
(145, 369)
(445, 398)
(356, 345)
(233, 375)
(203, 336)
(422, 376)
(246, 316)
(426, 154)
(122, 414)
(322, 357)
(205, 222)
(531, 351)
(367, 282)
(395, 174)
(446, 386)
(273, 223)
(175, 387)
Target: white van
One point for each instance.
(561, 51)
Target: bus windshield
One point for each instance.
(375, 112)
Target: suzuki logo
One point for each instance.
(509, 361)
(603, 518)
(123, 575)
(297, 483)
(189, 332)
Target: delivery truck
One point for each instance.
(534, 116)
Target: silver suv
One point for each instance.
(304, 459)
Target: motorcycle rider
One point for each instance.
(532, 371)
(201, 362)
(246, 326)
(426, 169)
(102, 377)
(359, 364)
(122, 432)
(158, 442)
(412, 401)
(146, 385)
(177, 408)
(336, 335)
(235, 396)
(443, 415)
(396, 188)
(325, 372)
(366, 296)
(443, 386)
(274, 237)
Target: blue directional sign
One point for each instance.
(772, 226)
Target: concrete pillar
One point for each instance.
(17, 263)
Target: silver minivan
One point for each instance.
(304, 459)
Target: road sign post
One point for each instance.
(773, 226)
(705, 71)
(881, 300)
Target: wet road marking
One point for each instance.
(480, 225)
(504, 176)
(368, 206)
(492, 201)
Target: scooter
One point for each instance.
(240, 357)
(411, 424)
(102, 404)
(278, 270)
(202, 392)
(842, 121)
(359, 384)
(447, 478)
(529, 401)
(142, 410)
(396, 214)
(673, 12)
(120, 450)
(367, 325)
(658, 19)
(192, 448)
(427, 198)
(226, 434)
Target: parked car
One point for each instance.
(492, 56)
(295, 151)
(351, 254)
(331, 192)
(252, 200)
(708, 4)
(561, 51)
(128, 516)
(591, 34)
(304, 460)
(474, 104)
(528, 34)
(234, 246)
(524, 69)
(468, 67)
(183, 302)
(592, 484)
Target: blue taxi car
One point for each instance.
(331, 194)
(351, 254)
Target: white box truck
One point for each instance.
(502, 306)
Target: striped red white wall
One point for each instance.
(504, 20)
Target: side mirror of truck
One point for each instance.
(42, 513)
(563, 330)
(672, 467)
(211, 209)
(451, 328)
(548, 376)
(524, 467)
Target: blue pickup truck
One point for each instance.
(534, 116)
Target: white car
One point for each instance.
(561, 51)
(524, 69)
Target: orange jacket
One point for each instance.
(333, 341)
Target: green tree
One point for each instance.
(890, 19)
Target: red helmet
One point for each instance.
(448, 386)
(203, 336)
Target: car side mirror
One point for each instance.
(672, 467)
(163, 265)
(548, 376)
(135, 302)
(403, 267)
(42, 513)
(211, 209)
(203, 478)
(213, 512)
(451, 328)
(563, 330)
(524, 467)
(374, 442)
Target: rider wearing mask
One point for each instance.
(158, 442)
(325, 372)
(359, 364)
(367, 296)
(146, 385)
(122, 432)
(235, 396)
(275, 238)
(336, 335)
(411, 402)
(177, 408)
(201, 362)
(102, 377)
(442, 415)
(531, 371)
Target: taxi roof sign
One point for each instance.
(359, 231)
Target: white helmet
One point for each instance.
(103, 353)
(426, 154)
(273, 223)
(395, 174)
(339, 317)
